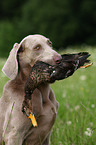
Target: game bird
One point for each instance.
(43, 72)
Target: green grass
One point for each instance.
(77, 104)
(3, 78)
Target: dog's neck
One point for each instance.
(23, 75)
(24, 72)
(18, 84)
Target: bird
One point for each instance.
(43, 72)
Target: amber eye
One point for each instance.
(50, 43)
(21, 49)
(38, 47)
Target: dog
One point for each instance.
(15, 127)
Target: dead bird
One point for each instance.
(43, 72)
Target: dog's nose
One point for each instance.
(57, 58)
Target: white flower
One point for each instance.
(60, 143)
(91, 123)
(93, 106)
(89, 129)
(83, 77)
(88, 132)
(67, 106)
(64, 95)
(77, 107)
(69, 122)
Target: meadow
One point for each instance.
(76, 118)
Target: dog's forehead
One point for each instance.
(33, 40)
(36, 40)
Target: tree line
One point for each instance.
(65, 22)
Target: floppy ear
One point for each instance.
(10, 68)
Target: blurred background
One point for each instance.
(65, 22)
(71, 26)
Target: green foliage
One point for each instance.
(7, 37)
(9, 9)
(65, 22)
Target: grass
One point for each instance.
(77, 104)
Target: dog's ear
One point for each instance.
(10, 68)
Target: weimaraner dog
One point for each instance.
(15, 127)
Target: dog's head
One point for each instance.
(31, 49)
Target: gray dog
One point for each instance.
(15, 127)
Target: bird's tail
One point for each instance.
(82, 59)
(77, 59)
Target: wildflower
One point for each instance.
(69, 122)
(77, 107)
(92, 106)
(67, 106)
(83, 77)
(88, 132)
(89, 129)
(91, 123)
(64, 95)
(60, 143)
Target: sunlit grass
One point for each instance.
(77, 104)
(3, 78)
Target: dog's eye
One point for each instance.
(50, 43)
(21, 49)
(38, 47)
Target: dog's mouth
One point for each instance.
(55, 60)
(58, 61)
